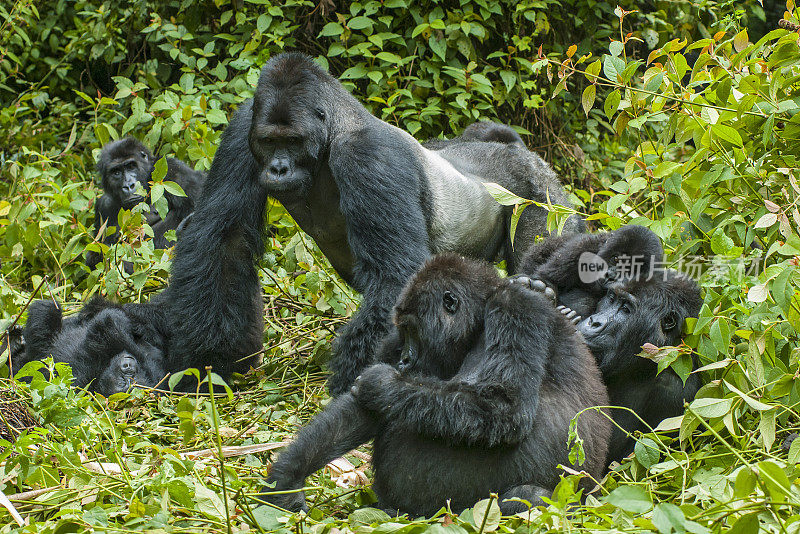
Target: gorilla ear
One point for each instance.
(669, 322)
(450, 302)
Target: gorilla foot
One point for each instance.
(534, 284)
(570, 314)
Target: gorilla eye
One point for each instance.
(450, 302)
(669, 322)
(320, 113)
(144, 156)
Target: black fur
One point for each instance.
(490, 375)
(125, 164)
(557, 262)
(376, 202)
(622, 311)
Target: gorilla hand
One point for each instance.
(375, 384)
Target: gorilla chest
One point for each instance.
(319, 216)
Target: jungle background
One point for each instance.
(682, 116)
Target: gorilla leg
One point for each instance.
(340, 428)
(44, 324)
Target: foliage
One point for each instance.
(682, 117)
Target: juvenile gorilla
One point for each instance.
(631, 314)
(636, 302)
(101, 344)
(125, 167)
(488, 377)
(376, 202)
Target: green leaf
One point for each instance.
(631, 499)
(439, 46)
(612, 103)
(613, 67)
(647, 452)
(509, 79)
(486, 514)
(359, 23)
(504, 196)
(668, 518)
(726, 133)
(367, 516)
(587, 100)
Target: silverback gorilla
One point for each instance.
(376, 201)
(488, 376)
(636, 302)
(125, 167)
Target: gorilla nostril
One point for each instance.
(278, 167)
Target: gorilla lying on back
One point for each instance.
(621, 312)
(488, 376)
(125, 167)
(101, 344)
(376, 202)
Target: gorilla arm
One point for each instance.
(341, 427)
(493, 398)
(375, 202)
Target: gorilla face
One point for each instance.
(289, 132)
(121, 374)
(439, 317)
(125, 167)
(632, 314)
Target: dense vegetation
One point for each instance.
(682, 116)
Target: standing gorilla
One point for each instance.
(633, 303)
(375, 201)
(489, 377)
(125, 167)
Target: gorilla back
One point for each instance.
(376, 201)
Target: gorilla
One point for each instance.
(106, 352)
(632, 313)
(376, 202)
(635, 301)
(486, 378)
(125, 167)
(487, 131)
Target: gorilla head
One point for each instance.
(638, 312)
(291, 121)
(631, 252)
(441, 315)
(125, 165)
